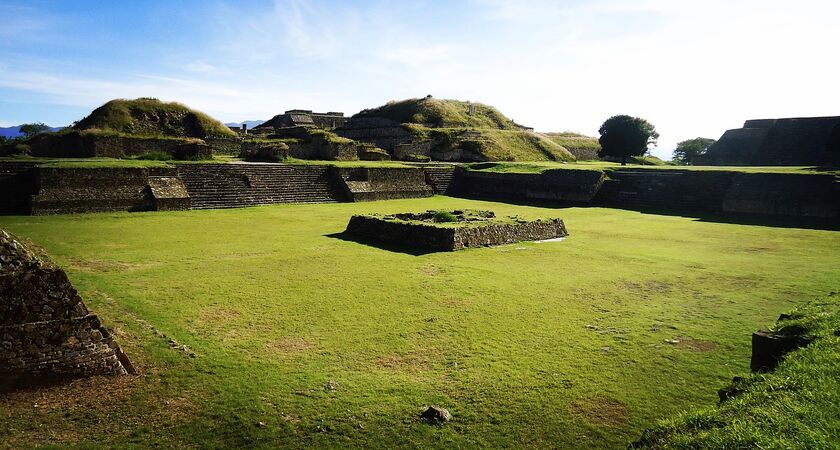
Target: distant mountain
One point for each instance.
(250, 123)
(13, 132)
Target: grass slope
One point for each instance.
(569, 139)
(333, 343)
(441, 113)
(486, 132)
(152, 117)
(797, 406)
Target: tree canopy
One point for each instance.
(623, 136)
(31, 129)
(691, 151)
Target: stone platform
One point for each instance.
(452, 230)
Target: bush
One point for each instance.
(444, 216)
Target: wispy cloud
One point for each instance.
(691, 68)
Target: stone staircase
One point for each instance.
(441, 179)
(249, 184)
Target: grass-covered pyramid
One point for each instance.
(152, 117)
(439, 129)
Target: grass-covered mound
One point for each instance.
(152, 117)
(462, 131)
(439, 113)
(572, 140)
(797, 406)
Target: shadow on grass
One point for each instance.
(414, 251)
(811, 223)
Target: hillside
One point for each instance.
(450, 130)
(582, 146)
(152, 117)
(440, 113)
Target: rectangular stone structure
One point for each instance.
(452, 236)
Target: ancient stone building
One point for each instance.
(813, 141)
(303, 118)
(46, 332)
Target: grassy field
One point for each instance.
(305, 338)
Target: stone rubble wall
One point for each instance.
(34, 190)
(46, 332)
(498, 234)
(17, 183)
(811, 141)
(367, 184)
(440, 238)
(723, 192)
(555, 185)
(77, 190)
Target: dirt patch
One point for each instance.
(100, 265)
(86, 410)
(430, 270)
(455, 302)
(600, 411)
(215, 314)
(288, 345)
(697, 345)
(408, 362)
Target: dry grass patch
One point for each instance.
(600, 411)
(100, 265)
(288, 345)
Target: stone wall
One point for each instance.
(440, 238)
(813, 141)
(366, 184)
(225, 146)
(556, 185)
(77, 190)
(46, 332)
(584, 154)
(17, 184)
(723, 192)
(382, 133)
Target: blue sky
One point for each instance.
(693, 68)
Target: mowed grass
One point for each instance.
(330, 342)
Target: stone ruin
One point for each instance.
(808, 141)
(46, 332)
(452, 230)
(301, 118)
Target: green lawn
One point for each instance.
(329, 342)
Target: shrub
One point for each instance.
(444, 216)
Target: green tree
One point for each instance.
(624, 136)
(31, 129)
(691, 151)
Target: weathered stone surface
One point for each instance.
(46, 331)
(408, 232)
(810, 141)
(75, 190)
(769, 348)
(555, 185)
(264, 150)
(366, 184)
(436, 415)
(194, 150)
